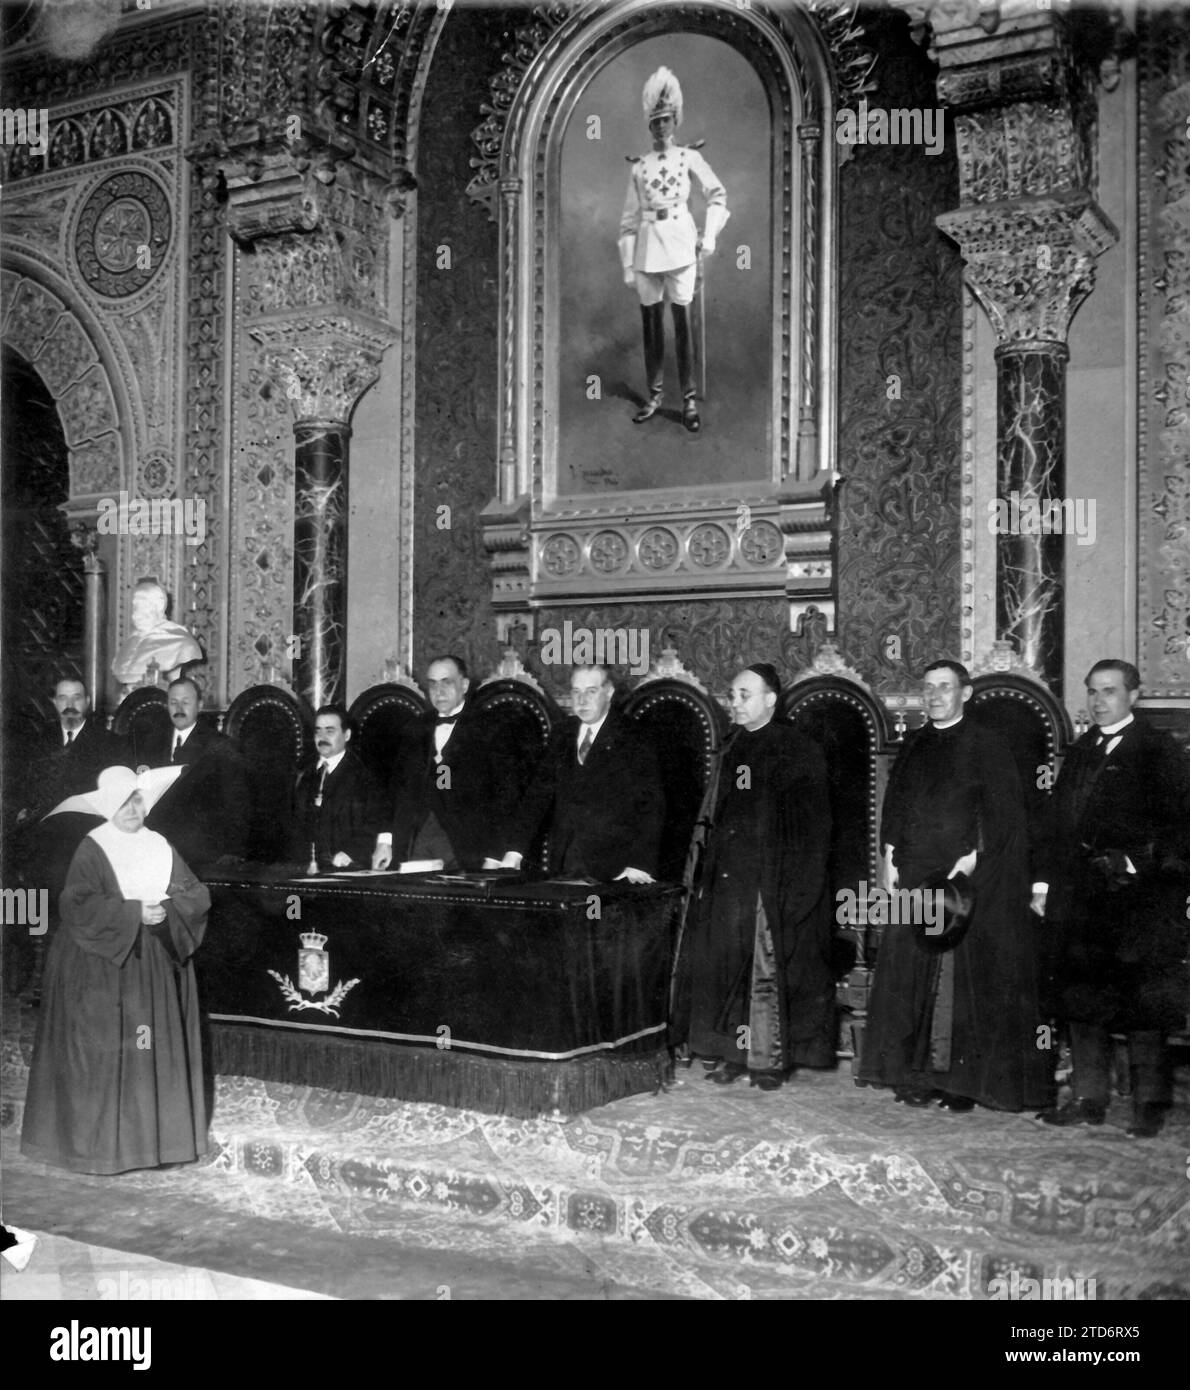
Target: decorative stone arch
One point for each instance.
(43, 321)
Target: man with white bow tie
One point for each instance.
(454, 785)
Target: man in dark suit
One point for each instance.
(599, 788)
(204, 815)
(71, 753)
(336, 802)
(1117, 872)
(65, 760)
(455, 784)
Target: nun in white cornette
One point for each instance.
(116, 1080)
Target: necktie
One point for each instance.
(177, 749)
(585, 745)
(446, 719)
(322, 770)
(69, 738)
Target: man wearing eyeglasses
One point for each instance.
(598, 789)
(958, 1026)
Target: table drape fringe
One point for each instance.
(496, 1086)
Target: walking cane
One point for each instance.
(700, 326)
(694, 856)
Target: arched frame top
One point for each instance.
(786, 51)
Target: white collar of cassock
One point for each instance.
(949, 724)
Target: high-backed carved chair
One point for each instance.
(274, 730)
(522, 715)
(142, 721)
(686, 726)
(1036, 728)
(850, 726)
(382, 717)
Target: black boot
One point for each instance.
(653, 324)
(685, 354)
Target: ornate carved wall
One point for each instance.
(1163, 503)
(112, 330)
(455, 418)
(713, 637)
(900, 306)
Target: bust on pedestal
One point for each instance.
(153, 640)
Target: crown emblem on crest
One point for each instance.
(313, 940)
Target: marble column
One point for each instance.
(320, 560)
(1019, 79)
(95, 673)
(323, 364)
(1030, 471)
(316, 216)
(1030, 268)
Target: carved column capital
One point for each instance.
(322, 362)
(1032, 265)
(1021, 80)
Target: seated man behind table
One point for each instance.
(454, 781)
(336, 803)
(204, 815)
(599, 788)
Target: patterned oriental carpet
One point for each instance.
(819, 1190)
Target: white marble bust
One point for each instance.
(153, 638)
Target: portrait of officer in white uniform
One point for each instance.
(660, 248)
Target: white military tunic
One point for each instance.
(657, 214)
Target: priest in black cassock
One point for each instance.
(961, 1025)
(754, 989)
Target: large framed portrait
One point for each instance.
(598, 370)
(600, 496)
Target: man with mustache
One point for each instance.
(72, 751)
(204, 815)
(66, 760)
(335, 813)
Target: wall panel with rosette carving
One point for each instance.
(115, 214)
(455, 414)
(900, 306)
(713, 637)
(1163, 503)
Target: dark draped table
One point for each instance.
(509, 997)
